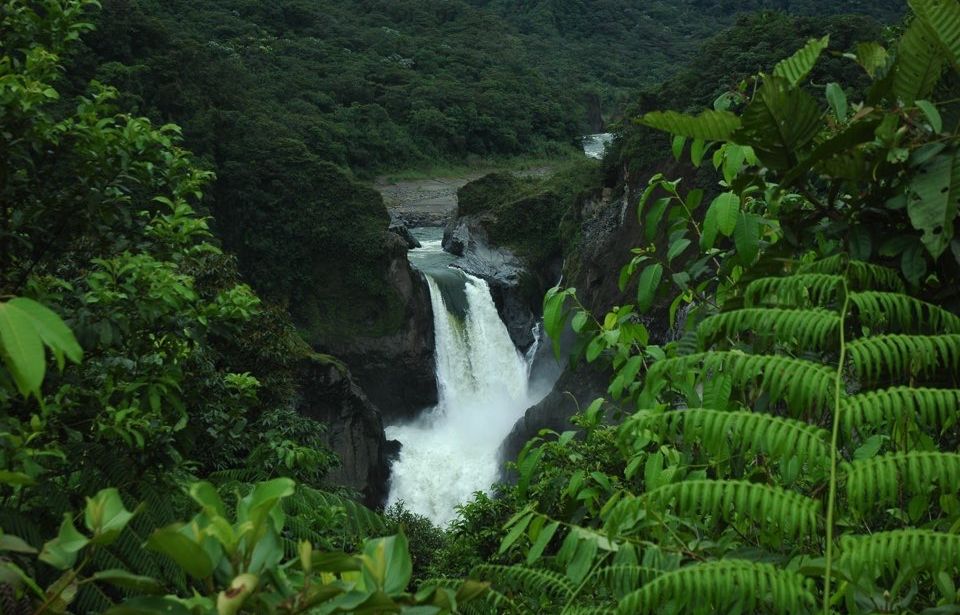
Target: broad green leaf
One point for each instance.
(15, 544)
(186, 552)
(106, 516)
(582, 560)
(22, 348)
(746, 237)
(515, 532)
(697, 151)
(710, 125)
(647, 286)
(554, 316)
(257, 507)
(128, 580)
(913, 263)
(727, 206)
(52, 330)
(780, 121)
(708, 233)
(61, 552)
(387, 565)
(543, 539)
(872, 57)
(677, 248)
(943, 18)
(919, 62)
(678, 143)
(933, 199)
(796, 68)
(933, 116)
(206, 495)
(15, 478)
(838, 100)
(654, 217)
(335, 562)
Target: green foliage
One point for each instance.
(794, 446)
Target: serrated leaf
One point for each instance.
(711, 125)
(796, 68)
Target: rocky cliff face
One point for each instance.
(504, 272)
(396, 370)
(354, 428)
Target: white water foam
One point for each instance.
(450, 452)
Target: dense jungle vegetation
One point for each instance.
(793, 450)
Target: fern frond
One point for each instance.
(860, 275)
(900, 549)
(775, 436)
(881, 480)
(896, 312)
(928, 407)
(774, 507)
(533, 581)
(622, 579)
(719, 585)
(803, 385)
(904, 356)
(806, 328)
(801, 290)
(361, 521)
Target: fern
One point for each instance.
(904, 357)
(721, 585)
(859, 275)
(803, 385)
(807, 328)
(883, 479)
(796, 290)
(898, 549)
(532, 581)
(884, 311)
(928, 407)
(773, 507)
(779, 437)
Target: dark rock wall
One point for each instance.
(354, 428)
(396, 371)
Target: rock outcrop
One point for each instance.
(329, 394)
(504, 272)
(396, 370)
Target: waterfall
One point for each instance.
(450, 452)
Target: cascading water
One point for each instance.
(450, 452)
